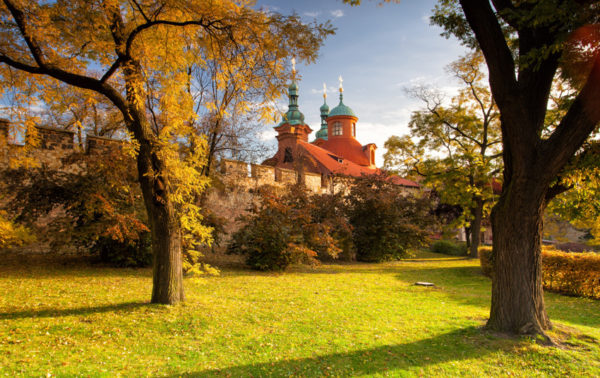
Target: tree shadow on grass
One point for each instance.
(468, 286)
(53, 313)
(453, 346)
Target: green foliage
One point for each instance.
(580, 205)
(329, 210)
(449, 247)
(127, 253)
(386, 223)
(454, 145)
(283, 229)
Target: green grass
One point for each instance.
(339, 320)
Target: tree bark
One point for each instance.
(517, 292)
(476, 227)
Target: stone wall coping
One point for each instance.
(312, 174)
(285, 170)
(89, 136)
(50, 128)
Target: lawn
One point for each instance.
(339, 320)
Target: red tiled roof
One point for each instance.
(404, 182)
(334, 163)
(347, 148)
(339, 165)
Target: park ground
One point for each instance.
(338, 320)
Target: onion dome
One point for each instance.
(293, 116)
(342, 109)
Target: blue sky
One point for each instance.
(379, 50)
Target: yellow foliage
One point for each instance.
(569, 273)
(12, 235)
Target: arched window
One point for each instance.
(287, 155)
(337, 128)
(354, 129)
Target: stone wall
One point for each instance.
(54, 148)
(252, 176)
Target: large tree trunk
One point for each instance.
(517, 293)
(476, 227)
(164, 226)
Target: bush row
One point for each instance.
(374, 222)
(449, 247)
(568, 273)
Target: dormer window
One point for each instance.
(337, 128)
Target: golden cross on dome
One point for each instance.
(324, 91)
(341, 81)
(293, 65)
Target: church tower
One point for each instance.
(341, 135)
(292, 129)
(324, 109)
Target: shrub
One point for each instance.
(13, 235)
(449, 247)
(126, 254)
(568, 273)
(386, 223)
(486, 260)
(573, 247)
(280, 230)
(571, 273)
(328, 210)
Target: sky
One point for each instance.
(379, 50)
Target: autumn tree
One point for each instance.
(454, 145)
(125, 50)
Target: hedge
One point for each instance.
(575, 274)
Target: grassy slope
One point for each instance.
(340, 320)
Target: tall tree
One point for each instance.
(521, 82)
(524, 44)
(122, 50)
(457, 144)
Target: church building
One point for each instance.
(335, 150)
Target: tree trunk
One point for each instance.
(468, 236)
(164, 226)
(517, 293)
(476, 227)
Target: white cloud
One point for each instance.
(378, 133)
(330, 89)
(267, 135)
(337, 13)
(311, 14)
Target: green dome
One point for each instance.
(322, 133)
(293, 116)
(324, 108)
(342, 110)
(293, 86)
